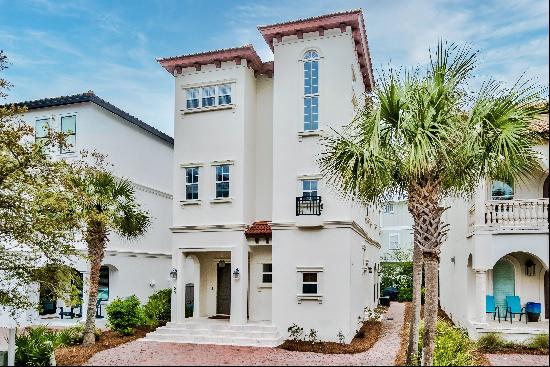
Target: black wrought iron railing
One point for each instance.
(309, 205)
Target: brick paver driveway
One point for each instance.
(517, 360)
(382, 353)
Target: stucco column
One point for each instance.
(180, 288)
(196, 288)
(481, 292)
(239, 287)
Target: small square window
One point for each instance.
(224, 94)
(309, 283)
(267, 274)
(193, 100)
(309, 188)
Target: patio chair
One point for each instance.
(513, 307)
(72, 314)
(491, 308)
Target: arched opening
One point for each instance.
(545, 187)
(61, 288)
(504, 282)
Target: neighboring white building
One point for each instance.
(396, 224)
(498, 246)
(137, 152)
(258, 237)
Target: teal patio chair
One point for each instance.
(491, 308)
(513, 307)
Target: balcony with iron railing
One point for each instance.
(515, 214)
(309, 211)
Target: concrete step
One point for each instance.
(220, 333)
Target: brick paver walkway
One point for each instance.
(382, 353)
(517, 360)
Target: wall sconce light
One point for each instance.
(236, 273)
(221, 264)
(530, 268)
(174, 274)
(453, 259)
(370, 269)
(152, 283)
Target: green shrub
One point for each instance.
(74, 335)
(452, 346)
(158, 307)
(491, 343)
(35, 347)
(124, 315)
(538, 342)
(398, 275)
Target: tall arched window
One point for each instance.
(311, 90)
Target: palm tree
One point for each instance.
(425, 135)
(107, 204)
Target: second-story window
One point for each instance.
(192, 183)
(68, 127)
(193, 99)
(309, 188)
(224, 94)
(41, 130)
(502, 190)
(388, 208)
(311, 90)
(267, 273)
(222, 181)
(394, 241)
(208, 96)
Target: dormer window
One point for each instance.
(311, 90)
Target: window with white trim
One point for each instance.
(68, 127)
(310, 283)
(222, 181)
(224, 94)
(208, 96)
(192, 183)
(41, 127)
(388, 208)
(394, 241)
(267, 273)
(502, 190)
(309, 188)
(311, 90)
(193, 98)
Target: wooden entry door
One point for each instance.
(223, 299)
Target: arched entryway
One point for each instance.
(545, 188)
(504, 282)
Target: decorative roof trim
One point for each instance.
(91, 97)
(174, 64)
(259, 229)
(353, 18)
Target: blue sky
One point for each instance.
(60, 48)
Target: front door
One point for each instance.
(223, 301)
(503, 282)
(546, 295)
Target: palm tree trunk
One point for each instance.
(96, 238)
(431, 267)
(429, 231)
(412, 351)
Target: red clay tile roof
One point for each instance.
(210, 57)
(353, 18)
(540, 125)
(258, 229)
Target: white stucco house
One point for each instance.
(137, 152)
(497, 247)
(259, 242)
(396, 226)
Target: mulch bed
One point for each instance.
(77, 355)
(401, 358)
(516, 349)
(363, 341)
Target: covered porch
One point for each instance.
(517, 282)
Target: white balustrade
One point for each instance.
(526, 213)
